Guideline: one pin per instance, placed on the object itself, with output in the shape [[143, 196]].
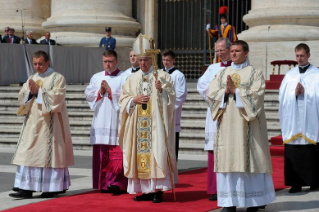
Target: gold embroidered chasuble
[[45, 138], [241, 141], [142, 133]]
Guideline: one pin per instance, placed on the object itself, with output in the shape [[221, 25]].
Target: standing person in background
[[47, 40], [224, 30], [108, 42], [6, 34], [103, 94], [29, 39], [11, 38], [168, 59], [223, 51], [134, 62], [299, 120], [44, 150]]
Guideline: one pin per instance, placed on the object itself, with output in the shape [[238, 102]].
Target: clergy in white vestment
[[223, 51], [103, 95], [168, 59], [299, 120], [147, 128], [44, 150], [134, 62], [241, 150]]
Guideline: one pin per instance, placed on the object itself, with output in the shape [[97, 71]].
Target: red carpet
[[190, 193]]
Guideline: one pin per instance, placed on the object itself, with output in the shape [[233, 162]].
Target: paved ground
[[81, 179]]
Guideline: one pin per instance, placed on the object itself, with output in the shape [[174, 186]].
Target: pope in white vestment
[[44, 150], [147, 128], [242, 157], [299, 121], [107, 155]]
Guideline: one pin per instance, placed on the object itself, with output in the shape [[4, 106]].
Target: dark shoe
[[252, 209], [158, 197], [314, 188], [295, 189], [59, 192], [114, 189], [262, 207], [47, 194], [213, 198], [105, 191], [22, 194], [144, 197], [15, 189], [229, 209]]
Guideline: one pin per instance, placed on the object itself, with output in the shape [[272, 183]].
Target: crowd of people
[[136, 125]]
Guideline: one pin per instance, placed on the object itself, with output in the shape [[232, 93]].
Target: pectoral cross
[[153, 52]]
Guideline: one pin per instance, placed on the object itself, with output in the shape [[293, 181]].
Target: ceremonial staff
[[154, 52]]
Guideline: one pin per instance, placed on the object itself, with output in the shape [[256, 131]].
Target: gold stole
[[144, 131]]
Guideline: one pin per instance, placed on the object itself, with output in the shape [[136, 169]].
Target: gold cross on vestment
[[153, 52]]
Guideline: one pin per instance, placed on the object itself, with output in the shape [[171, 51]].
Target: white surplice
[[244, 189], [202, 88], [104, 129], [299, 121], [181, 95], [42, 179]]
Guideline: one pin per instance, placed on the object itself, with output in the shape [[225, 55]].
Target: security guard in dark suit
[[108, 42]]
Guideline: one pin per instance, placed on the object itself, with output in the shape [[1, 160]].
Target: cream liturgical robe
[[142, 132], [241, 141], [45, 139]]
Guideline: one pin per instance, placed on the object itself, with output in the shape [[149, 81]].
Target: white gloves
[[207, 27]]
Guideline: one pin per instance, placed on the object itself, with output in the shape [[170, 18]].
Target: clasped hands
[[143, 99], [105, 88], [230, 86], [34, 87], [299, 89]]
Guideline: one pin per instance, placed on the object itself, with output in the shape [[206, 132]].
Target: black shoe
[[144, 197], [158, 197], [15, 189], [295, 189], [229, 209], [22, 194], [47, 194], [262, 207], [105, 191], [114, 189], [252, 209], [213, 198], [314, 188], [59, 192]]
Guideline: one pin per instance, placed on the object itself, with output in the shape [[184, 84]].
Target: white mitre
[[141, 45]]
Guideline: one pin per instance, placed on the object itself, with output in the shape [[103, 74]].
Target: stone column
[[34, 13], [82, 23], [289, 23]]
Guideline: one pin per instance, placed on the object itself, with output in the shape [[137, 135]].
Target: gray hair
[[227, 42], [28, 31]]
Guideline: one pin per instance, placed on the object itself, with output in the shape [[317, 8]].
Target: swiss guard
[[224, 30], [108, 42]]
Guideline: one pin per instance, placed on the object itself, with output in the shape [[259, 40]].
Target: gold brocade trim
[[302, 136], [236, 79], [144, 141]]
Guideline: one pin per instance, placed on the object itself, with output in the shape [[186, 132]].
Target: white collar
[[239, 66], [167, 70], [46, 73], [305, 65]]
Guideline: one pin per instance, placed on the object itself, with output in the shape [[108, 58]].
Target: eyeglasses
[[6, 30], [221, 51]]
